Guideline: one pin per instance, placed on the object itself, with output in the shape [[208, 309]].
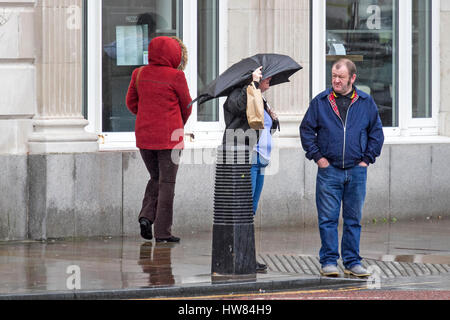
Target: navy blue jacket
[[344, 145]]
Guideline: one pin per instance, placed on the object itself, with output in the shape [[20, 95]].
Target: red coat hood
[[165, 51]]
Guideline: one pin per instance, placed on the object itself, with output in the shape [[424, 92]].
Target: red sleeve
[[184, 97], [132, 99]]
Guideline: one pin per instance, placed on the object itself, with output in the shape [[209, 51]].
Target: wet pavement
[[130, 267]]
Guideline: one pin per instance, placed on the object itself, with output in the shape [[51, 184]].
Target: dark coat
[[161, 99], [343, 144], [236, 122]]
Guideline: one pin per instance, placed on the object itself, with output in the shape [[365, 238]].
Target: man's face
[[265, 84], [341, 80]]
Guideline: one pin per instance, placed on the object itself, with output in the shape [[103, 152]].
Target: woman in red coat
[[159, 96]]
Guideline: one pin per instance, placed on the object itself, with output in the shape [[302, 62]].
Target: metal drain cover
[[310, 265]]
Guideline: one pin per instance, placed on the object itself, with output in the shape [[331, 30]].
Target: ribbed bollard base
[[233, 232]]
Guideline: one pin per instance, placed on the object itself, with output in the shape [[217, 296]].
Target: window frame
[[407, 125], [205, 130], [425, 126], [127, 140]]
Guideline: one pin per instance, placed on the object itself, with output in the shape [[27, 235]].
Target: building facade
[[68, 160]]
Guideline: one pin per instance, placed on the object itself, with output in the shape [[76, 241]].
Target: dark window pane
[[421, 30], [208, 55], [127, 29], [365, 32]]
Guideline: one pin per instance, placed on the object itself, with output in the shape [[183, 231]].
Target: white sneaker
[[329, 270]]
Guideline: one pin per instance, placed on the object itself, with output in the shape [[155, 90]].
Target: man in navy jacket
[[342, 132]]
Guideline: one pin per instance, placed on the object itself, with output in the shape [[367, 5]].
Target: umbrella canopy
[[279, 67]]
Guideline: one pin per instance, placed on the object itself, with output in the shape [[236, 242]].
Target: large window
[[127, 29], [395, 45], [208, 55], [116, 40], [365, 31], [422, 67]]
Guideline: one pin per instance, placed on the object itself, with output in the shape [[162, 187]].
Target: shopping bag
[[255, 108]]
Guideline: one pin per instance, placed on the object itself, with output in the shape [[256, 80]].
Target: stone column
[[276, 26], [59, 126], [444, 114]]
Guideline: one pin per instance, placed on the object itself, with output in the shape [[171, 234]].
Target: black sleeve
[[237, 102]]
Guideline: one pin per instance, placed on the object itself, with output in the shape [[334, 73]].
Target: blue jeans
[[257, 170], [336, 187]]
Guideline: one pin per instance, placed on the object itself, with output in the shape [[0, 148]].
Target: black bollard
[[233, 249]]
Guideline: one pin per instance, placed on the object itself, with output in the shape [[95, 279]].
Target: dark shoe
[[261, 268], [171, 239], [146, 229]]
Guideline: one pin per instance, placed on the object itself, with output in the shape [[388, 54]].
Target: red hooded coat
[[161, 99]]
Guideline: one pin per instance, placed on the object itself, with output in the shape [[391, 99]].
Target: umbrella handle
[[194, 101], [190, 104]]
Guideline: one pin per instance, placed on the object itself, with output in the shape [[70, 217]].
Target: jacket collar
[[326, 93]]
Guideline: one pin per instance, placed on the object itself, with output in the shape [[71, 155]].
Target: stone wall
[[100, 194], [17, 80], [13, 197], [41, 78]]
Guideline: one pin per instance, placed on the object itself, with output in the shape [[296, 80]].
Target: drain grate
[[310, 265]]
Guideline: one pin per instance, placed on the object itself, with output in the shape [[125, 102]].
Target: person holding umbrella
[[235, 118], [236, 122], [262, 150], [235, 109], [236, 186]]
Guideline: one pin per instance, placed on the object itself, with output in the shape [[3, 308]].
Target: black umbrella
[[279, 67]]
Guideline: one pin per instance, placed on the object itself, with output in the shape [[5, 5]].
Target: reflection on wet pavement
[[157, 263], [130, 263]]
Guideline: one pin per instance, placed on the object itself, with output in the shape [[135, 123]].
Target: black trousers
[[157, 205]]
